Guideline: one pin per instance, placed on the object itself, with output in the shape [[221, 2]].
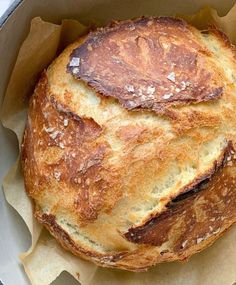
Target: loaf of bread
[[129, 149]]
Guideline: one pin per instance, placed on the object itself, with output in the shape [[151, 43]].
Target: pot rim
[[9, 11]]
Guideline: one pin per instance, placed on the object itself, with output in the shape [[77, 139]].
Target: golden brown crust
[[102, 177], [194, 221], [184, 208], [49, 221], [149, 63], [80, 149], [187, 190]]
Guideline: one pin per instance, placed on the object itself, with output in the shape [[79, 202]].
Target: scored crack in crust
[[131, 189], [180, 210]]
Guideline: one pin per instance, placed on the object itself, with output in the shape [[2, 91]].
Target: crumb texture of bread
[[129, 149]]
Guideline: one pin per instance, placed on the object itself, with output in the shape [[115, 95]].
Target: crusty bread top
[[102, 172], [163, 59]]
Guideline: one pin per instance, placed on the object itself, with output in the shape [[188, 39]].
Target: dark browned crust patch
[[196, 215], [148, 63]]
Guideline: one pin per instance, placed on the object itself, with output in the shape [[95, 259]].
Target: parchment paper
[[46, 259]]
